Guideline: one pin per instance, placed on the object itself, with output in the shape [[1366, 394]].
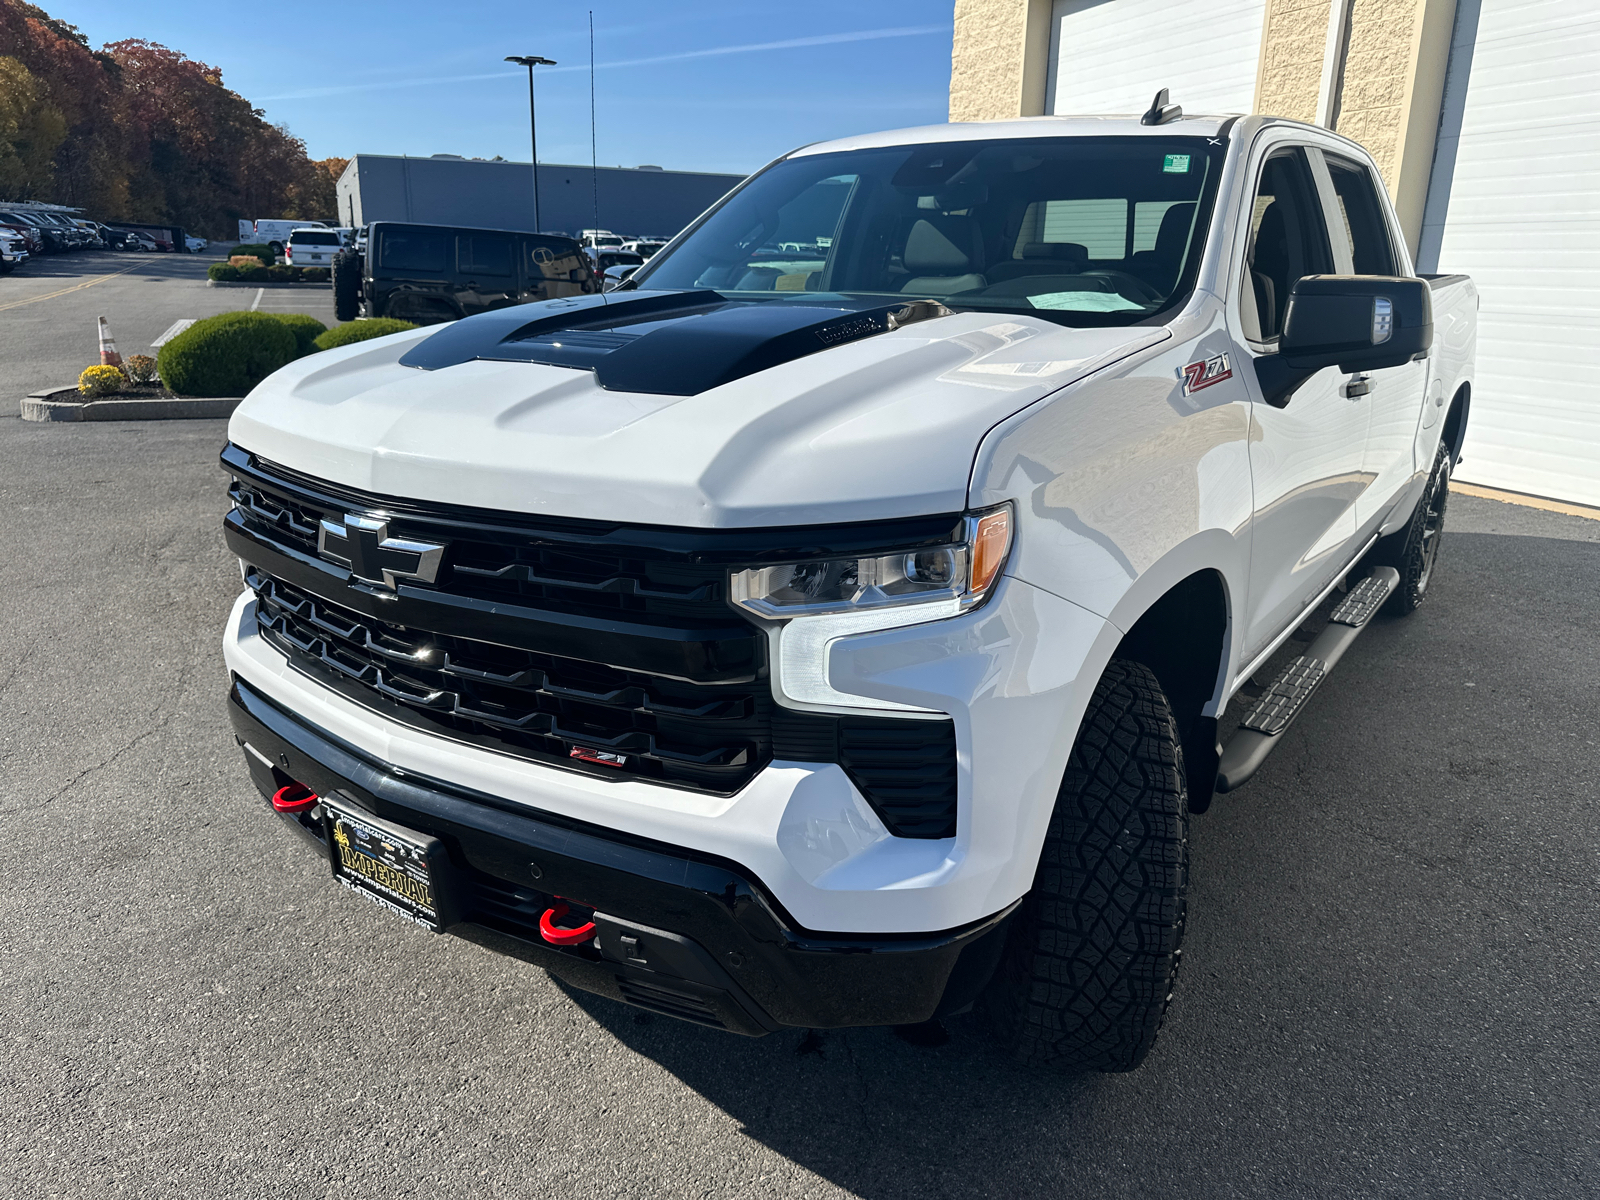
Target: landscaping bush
[[245, 260], [282, 274], [314, 274], [306, 331], [225, 272], [360, 331], [253, 274], [141, 368], [101, 381], [260, 250], [226, 355]]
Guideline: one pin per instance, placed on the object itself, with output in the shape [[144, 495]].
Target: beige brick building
[[1483, 116]]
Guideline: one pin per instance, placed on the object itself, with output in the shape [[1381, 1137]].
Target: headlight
[[810, 605], [963, 572]]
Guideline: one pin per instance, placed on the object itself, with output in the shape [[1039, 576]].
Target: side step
[[1262, 728]]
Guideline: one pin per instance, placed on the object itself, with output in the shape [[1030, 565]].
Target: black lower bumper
[[678, 933]]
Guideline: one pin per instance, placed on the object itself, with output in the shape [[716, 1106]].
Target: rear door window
[[1361, 215], [305, 238], [481, 254], [407, 251]]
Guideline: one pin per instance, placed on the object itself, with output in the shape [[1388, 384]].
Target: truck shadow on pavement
[[1366, 991], [872, 1113]]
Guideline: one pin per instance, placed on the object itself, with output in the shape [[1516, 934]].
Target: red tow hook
[[562, 937], [294, 798]]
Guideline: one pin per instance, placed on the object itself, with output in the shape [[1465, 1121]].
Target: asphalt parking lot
[[1389, 980], [48, 310]]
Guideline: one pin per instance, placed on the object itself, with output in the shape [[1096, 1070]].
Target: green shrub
[[306, 331], [263, 252], [226, 355], [282, 274], [101, 381], [253, 274], [314, 274], [360, 331], [222, 272]]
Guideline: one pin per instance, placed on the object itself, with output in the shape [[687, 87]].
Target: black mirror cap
[[1333, 320]]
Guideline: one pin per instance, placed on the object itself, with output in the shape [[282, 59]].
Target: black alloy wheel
[[1414, 550]]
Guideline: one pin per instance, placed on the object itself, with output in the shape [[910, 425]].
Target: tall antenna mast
[[594, 154]]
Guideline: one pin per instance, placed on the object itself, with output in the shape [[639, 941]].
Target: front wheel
[[1091, 956], [1414, 550]]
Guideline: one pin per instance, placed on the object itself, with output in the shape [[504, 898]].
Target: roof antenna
[[1160, 111], [594, 154]]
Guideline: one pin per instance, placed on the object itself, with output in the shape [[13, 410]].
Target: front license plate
[[385, 862]]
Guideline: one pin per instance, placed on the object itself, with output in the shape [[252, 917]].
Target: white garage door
[[1110, 56], [1521, 214]]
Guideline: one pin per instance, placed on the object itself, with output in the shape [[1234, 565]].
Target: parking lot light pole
[[531, 61]]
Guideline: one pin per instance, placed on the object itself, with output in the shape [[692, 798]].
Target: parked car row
[[26, 232]]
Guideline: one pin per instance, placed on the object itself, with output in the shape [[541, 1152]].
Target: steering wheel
[[1128, 285]]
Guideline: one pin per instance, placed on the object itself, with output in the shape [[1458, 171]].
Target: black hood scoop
[[665, 343]]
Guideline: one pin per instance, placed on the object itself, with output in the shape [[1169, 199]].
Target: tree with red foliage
[[149, 133]]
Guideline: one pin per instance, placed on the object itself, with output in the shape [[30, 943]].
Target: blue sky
[[702, 86]]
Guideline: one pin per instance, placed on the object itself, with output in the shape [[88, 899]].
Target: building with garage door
[[1484, 116]]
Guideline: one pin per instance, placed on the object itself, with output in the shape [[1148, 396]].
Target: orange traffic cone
[[108, 347]]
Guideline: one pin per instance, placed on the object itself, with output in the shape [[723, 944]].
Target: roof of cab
[[1025, 127]]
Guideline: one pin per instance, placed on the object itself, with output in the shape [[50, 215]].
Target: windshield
[[1083, 231]]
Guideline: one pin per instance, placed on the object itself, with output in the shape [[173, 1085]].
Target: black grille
[[543, 572], [907, 769], [579, 714], [657, 676], [668, 1001]]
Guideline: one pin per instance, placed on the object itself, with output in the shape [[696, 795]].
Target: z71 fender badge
[[1204, 373]]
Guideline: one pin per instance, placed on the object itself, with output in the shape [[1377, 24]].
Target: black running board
[[1262, 729]]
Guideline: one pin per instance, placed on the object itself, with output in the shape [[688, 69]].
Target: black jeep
[[428, 274]]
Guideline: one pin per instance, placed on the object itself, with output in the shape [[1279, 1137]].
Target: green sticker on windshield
[[1175, 164]]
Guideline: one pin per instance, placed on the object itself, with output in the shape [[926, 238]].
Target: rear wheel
[[1414, 550], [1092, 954], [345, 277]]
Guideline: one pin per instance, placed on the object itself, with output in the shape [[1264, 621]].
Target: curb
[[230, 283], [53, 405]]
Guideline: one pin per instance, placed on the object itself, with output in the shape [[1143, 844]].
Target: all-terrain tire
[[345, 277], [1414, 550], [1091, 955]]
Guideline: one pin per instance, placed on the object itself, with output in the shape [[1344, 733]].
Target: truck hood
[[686, 412]]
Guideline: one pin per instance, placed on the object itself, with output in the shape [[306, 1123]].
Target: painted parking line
[[77, 287], [256, 303], [173, 331]]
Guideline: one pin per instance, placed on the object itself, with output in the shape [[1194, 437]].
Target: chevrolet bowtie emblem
[[363, 544]]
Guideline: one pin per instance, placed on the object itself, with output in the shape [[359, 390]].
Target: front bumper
[[705, 940]]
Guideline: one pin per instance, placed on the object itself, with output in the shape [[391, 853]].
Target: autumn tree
[[31, 131], [140, 131]]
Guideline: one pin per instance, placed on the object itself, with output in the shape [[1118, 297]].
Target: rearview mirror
[[1354, 322]]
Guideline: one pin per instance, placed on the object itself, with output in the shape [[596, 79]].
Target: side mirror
[[615, 277], [1354, 322]]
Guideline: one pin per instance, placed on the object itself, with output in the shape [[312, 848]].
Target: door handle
[[1355, 387]]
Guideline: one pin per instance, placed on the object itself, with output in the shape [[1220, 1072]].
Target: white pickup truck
[[840, 623]]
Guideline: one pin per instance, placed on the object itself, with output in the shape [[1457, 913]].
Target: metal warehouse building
[[1484, 116], [449, 190]]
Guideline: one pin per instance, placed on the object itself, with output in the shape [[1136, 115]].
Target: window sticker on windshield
[[1175, 164], [1085, 302]]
